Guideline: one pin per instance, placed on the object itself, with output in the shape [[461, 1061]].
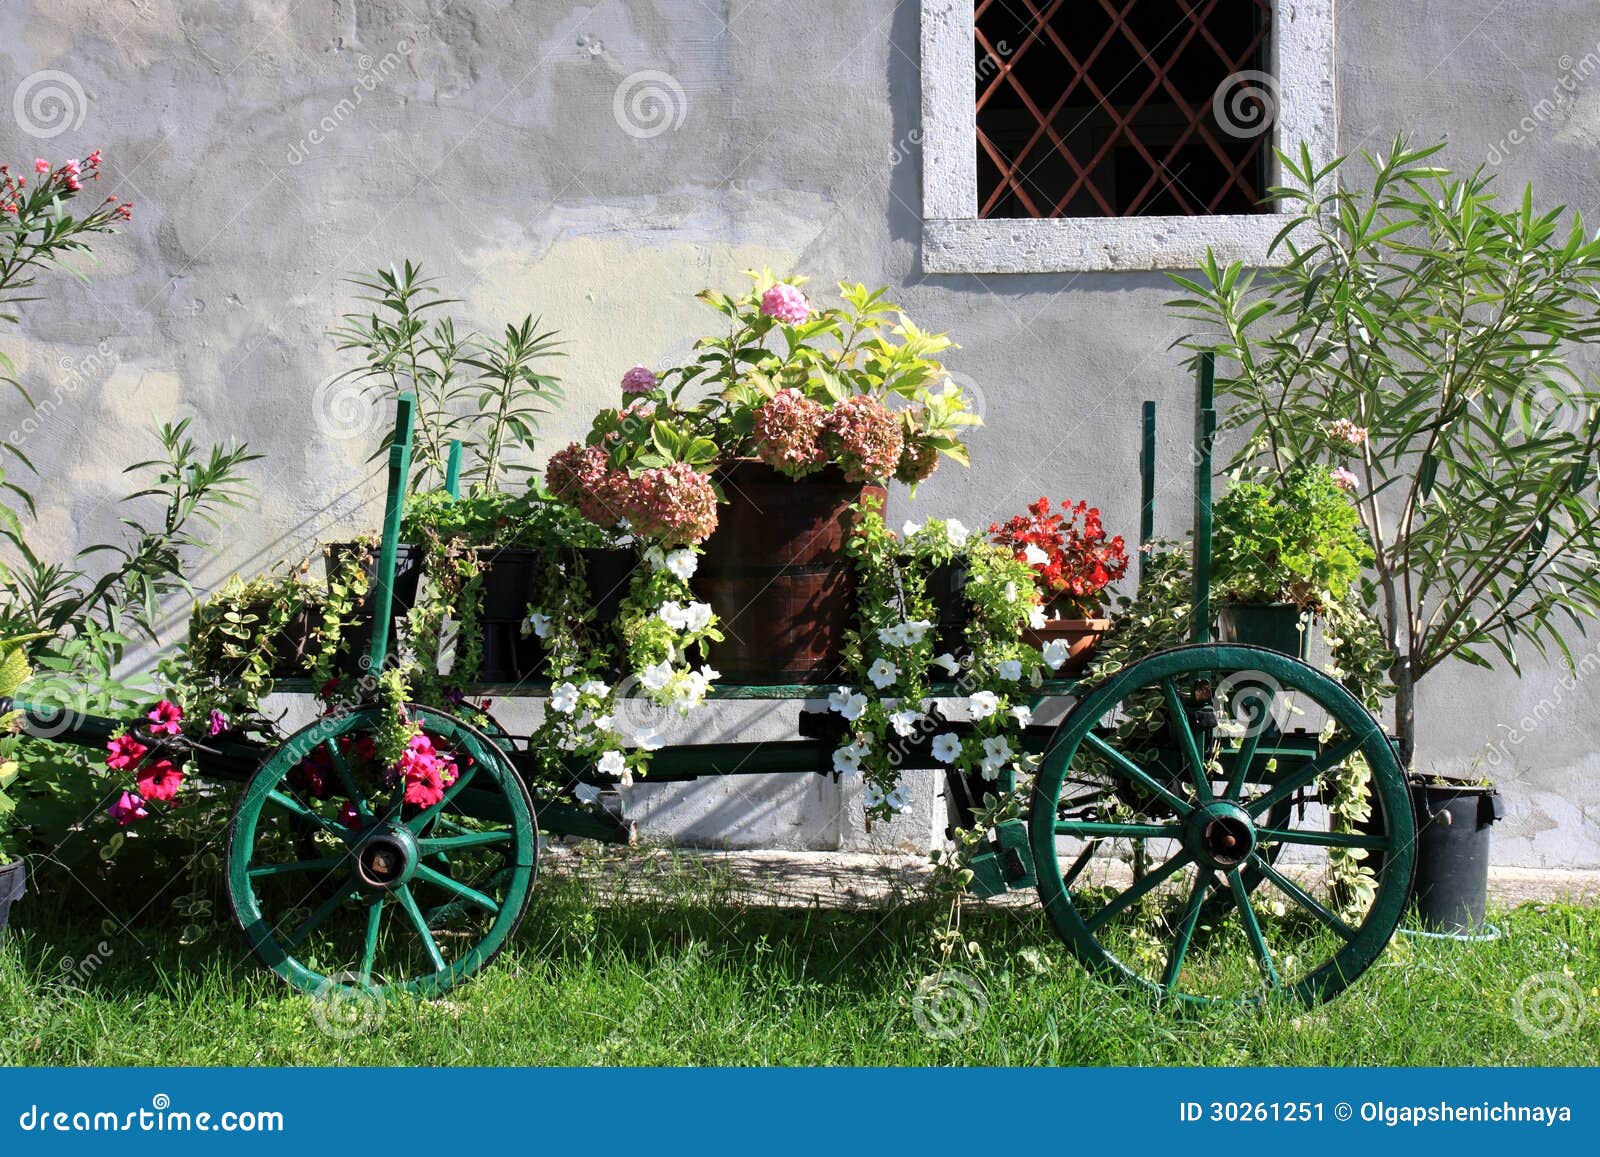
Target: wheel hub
[[386, 858], [1220, 835]]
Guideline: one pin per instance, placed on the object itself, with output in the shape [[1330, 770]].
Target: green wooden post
[[1205, 430], [452, 470], [383, 577], [1147, 484]]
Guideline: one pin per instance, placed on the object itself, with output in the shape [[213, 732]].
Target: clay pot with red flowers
[[1073, 561]]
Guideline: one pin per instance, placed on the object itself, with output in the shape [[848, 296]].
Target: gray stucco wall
[[274, 147]]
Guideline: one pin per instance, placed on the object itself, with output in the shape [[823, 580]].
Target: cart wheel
[[1182, 835], [395, 896]]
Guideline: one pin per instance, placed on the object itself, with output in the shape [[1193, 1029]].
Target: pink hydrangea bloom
[[127, 809], [674, 504], [582, 476], [785, 303], [865, 438], [639, 380], [1344, 479], [788, 433], [160, 779], [166, 718], [124, 751]]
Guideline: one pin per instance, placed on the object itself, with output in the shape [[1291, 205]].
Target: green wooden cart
[[1214, 822]]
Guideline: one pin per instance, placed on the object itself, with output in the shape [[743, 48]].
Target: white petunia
[[913, 631], [1036, 618], [697, 616], [882, 673], [1023, 714], [846, 760], [563, 698], [946, 747], [949, 663], [1033, 556], [905, 722], [648, 739], [899, 797], [539, 625], [911, 529], [955, 531], [675, 615], [872, 795], [594, 687], [1010, 669], [1055, 653], [983, 704], [604, 723], [848, 703], [894, 636], [655, 558], [1011, 592], [612, 763], [657, 677], [996, 754], [682, 562]]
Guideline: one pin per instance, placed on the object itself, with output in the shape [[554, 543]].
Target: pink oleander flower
[[124, 752], [93, 159], [582, 476], [72, 168], [785, 303], [788, 433], [865, 438], [127, 809], [41, 166], [166, 718], [674, 504], [918, 461], [160, 779], [217, 724], [1346, 431], [1344, 479], [639, 380]]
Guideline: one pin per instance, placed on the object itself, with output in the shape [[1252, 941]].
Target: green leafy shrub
[[1299, 542]]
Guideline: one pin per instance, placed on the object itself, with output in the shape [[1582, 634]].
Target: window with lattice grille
[[1108, 134]]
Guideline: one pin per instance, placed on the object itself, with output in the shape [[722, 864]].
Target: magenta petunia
[[127, 809], [124, 752], [160, 779], [166, 718]]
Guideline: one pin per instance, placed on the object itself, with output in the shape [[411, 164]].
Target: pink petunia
[[166, 719], [785, 303], [127, 809], [124, 752], [160, 779], [218, 723]]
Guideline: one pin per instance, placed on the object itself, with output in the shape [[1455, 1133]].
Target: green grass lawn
[[693, 978]]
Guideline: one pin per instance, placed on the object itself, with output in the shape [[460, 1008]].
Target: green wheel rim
[[384, 896], [1204, 841]]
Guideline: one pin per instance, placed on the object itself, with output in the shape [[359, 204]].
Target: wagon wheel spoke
[[342, 769], [1305, 899], [1140, 888], [1286, 787], [455, 887], [1138, 774], [323, 864], [1092, 828], [369, 947], [1071, 875], [423, 818], [1242, 761], [1185, 931], [1318, 839], [296, 808], [1252, 928], [459, 843], [1179, 719], [409, 903]]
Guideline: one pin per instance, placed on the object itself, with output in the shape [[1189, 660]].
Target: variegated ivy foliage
[[888, 707], [664, 636]]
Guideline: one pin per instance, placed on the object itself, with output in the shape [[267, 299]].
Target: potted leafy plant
[[1073, 562], [258, 629], [14, 671], [1418, 341], [810, 411], [1283, 554]]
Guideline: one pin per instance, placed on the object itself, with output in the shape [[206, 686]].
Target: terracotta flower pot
[[1082, 636]]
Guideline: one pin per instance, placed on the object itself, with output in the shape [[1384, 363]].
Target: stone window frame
[[956, 240]]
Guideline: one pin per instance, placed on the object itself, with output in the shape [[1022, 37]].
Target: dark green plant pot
[[13, 883], [1275, 626]]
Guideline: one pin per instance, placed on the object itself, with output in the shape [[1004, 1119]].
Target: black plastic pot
[[952, 611], [510, 575], [13, 883], [1275, 626], [357, 641], [608, 574], [1453, 832]]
